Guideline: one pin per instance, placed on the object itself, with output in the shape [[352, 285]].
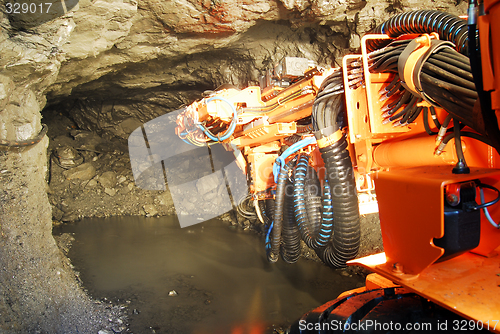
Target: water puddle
[[207, 278]]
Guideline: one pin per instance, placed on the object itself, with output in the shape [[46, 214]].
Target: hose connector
[[440, 135], [472, 13], [440, 148]]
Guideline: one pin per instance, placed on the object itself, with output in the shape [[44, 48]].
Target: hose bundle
[[449, 28], [315, 227], [346, 229], [328, 110], [330, 97], [445, 80], [290, 251], [330, 224], [274, 234]]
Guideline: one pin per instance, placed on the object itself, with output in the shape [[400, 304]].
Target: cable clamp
[[330, 139], [412, 59]]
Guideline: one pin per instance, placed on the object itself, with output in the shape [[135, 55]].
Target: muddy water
[[220, 275]]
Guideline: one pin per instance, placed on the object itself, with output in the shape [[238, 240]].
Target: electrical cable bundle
[[445, 79], [210, 131]]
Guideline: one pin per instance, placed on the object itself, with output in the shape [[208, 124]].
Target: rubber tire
[[379, 311]]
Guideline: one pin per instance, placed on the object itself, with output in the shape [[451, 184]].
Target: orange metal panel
[[468, 285], [351, 292], [261, 169], [265, 133], [411, 209], [395, 153], [376, 281], [489, 34]]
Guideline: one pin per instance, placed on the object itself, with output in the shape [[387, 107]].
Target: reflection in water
[[223, 281]]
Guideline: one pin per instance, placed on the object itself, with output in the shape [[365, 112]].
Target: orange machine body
[[410, 182]]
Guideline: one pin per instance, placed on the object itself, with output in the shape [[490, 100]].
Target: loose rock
[[108, 179], [110, 191], [85, 171], [150, 210]]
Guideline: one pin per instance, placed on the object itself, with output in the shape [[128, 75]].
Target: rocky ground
[[103, 185]]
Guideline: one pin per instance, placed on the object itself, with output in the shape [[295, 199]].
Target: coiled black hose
[[330, 96], [275, 238], [449, 27], [344, 245], [313, 198], [306, 215], [290, 250]]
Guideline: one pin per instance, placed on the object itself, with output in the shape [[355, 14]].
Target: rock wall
[[140, 60], [113, 64]]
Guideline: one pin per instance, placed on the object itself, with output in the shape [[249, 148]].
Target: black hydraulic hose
[[326, 227], [411, 115], [290, 251], [464, 74], [461, 166], [338, 104], [331, 87], [391, 88], [437, 89], [434, 117], [458, 141], [265, 213], [313, 199], [300, 199], [449, 27], [426, 112], [405, 110], [450, 53], [314, 211], [344, 245], [275, 240], [389, 65], [445, 78], [404, 99], [468, 134], [448, 58], [269, 212], [387, 57]]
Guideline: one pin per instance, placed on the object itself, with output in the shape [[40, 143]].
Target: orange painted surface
[[468, 285], [411, 209], [489, 34]]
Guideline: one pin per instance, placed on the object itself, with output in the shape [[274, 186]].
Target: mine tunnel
[[116, 218]]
